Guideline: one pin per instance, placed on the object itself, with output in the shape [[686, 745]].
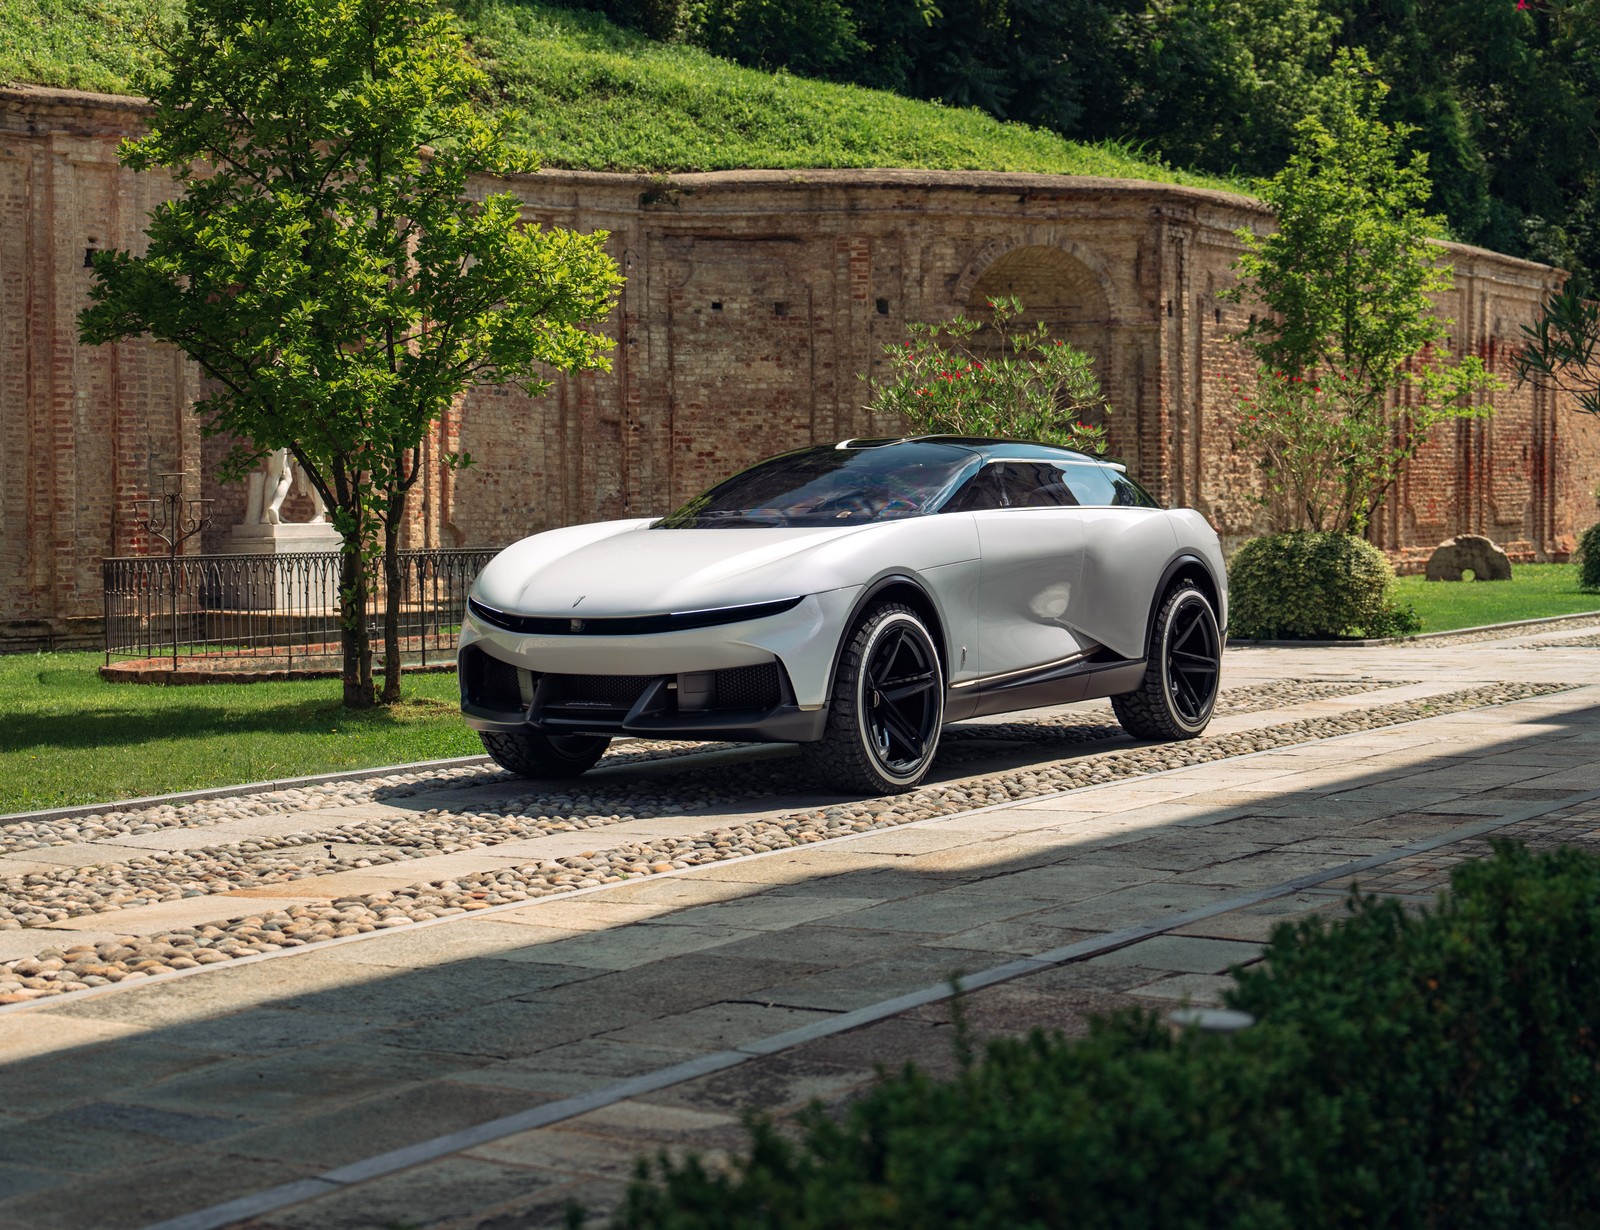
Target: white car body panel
[[626, 568], [798, 638], [1031, 562], [1125, 552]]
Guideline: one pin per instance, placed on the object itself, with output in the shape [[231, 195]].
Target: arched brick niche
[[1056, 289]]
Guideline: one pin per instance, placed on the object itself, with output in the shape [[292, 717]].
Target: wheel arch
[[1183, 568], [895, 588]]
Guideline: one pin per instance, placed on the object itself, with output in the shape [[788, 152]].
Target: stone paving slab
[[86, 854]]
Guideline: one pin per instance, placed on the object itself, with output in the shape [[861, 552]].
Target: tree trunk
[[393, 591], [354, 639]]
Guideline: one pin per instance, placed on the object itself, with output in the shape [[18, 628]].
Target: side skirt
[[1058, 686]]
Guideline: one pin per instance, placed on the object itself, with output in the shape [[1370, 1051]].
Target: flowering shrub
[[994, 378]]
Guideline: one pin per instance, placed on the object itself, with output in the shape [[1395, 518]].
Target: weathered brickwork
[[753, 303]]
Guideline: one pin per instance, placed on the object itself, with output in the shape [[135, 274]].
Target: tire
[[528, 753], [887, 706], [1183, 669]]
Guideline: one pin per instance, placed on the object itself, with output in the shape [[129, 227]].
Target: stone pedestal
[[289, 583]]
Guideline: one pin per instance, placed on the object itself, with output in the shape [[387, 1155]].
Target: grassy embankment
[[592, 96]]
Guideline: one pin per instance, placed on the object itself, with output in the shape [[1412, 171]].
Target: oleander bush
[[1406, 1070], [1587, 557], [1306, 584]]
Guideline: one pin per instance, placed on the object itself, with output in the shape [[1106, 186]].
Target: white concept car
[[851, 598]]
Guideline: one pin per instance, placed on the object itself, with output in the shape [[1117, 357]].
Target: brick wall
[[754, 301]]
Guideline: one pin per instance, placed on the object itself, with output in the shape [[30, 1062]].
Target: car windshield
[[830, 485]]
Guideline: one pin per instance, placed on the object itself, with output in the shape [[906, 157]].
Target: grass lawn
[[69, 737], [1534, 591]]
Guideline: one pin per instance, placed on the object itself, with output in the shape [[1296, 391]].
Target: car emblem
[[579, 625]]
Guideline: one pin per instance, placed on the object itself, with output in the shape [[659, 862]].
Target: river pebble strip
[[58, 970], [20, 835], [1576, 642], [42, 897]]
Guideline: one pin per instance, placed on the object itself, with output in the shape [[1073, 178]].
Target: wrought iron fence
[[274, 612]]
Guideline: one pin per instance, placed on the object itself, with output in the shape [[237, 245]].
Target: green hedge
[[1587, 557], [1432, 1070], [1306, 584]]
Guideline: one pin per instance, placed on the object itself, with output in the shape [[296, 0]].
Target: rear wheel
[[887, 706], [1181, 676], [531, 754]]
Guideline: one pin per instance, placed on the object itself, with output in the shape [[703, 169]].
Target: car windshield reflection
[[831, 486]]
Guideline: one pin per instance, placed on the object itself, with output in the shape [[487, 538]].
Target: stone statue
[[267, 496]]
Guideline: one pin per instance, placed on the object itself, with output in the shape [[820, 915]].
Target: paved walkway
[[485, 1068]]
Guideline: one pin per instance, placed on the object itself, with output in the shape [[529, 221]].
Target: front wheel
[[886, 709], [531, 754], [1182, 674]]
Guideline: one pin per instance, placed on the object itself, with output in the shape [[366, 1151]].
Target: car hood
[[626, 568]]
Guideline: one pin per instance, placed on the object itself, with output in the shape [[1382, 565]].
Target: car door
[[1030, 543], [1126, 545]]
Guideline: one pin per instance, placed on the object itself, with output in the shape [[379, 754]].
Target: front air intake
[[489, 683]]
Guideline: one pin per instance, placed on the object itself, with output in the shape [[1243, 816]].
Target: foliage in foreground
[[1306, 584], [1349, 281], [998, 377], [1408, 1071]]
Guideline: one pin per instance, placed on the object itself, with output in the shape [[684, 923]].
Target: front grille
[[747, 687], [609, 692]]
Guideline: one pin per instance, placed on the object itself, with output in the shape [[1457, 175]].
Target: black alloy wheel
[[900, 713], [1193, 661], [1179, 689], [887, 706]]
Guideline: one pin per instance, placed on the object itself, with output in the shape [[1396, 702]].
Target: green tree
[[997, 378], [1561, 348], [816, 38], [326, 266], [1220, 84], [1348, 279]]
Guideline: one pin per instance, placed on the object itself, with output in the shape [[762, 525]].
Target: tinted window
[[1013, 484], [830, 486], [1101, 486]]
